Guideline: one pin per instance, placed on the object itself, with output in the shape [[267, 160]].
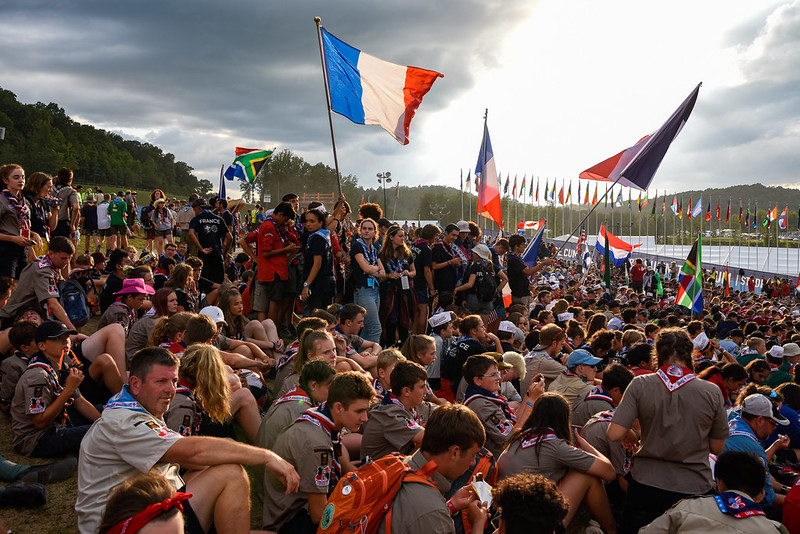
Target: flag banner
[[636, 166], [655, 203], [741, 210], [537, 188], [505, 188], [728, 213], [674, 205], [222, 190], [368, 90], [553, 191], [629, 198], [663, 206], [569, 193], [514, 189], [620, 201], [522, 187], [680, 209], [531, 254], [708, 212], [782, 218], [489, 189], [581, 240], [586, 196], [690, 292], [246, 165], [594, 198], [606, 261], [469, 172], [530, 225], [719, 218], [605, 197], [726, 278], [546, 191], [561, 195], [640, 202], [619, 250], [698, 208], [579, 197]]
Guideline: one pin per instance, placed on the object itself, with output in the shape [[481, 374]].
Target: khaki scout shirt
[[310, 450], [389, 428], [552, 459], [37, 283], [537, 362], [497, 426], [33, 394], [418, 507], [10, 370], [572, 387], [122, 443]]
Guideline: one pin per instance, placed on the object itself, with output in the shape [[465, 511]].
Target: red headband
[[135, 523]]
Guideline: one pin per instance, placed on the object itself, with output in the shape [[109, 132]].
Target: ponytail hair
[[202, 366], [415, 344], [167, 328], [307, 342]]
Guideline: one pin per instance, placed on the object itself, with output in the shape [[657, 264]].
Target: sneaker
[[49, 473], [19, 495], [593, 527]]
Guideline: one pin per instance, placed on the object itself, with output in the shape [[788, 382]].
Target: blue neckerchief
[[370, 252], [324, 234], [282, 235], [732, 503], [125, 400]]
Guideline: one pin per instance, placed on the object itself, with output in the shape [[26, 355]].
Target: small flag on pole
[[690, 291]]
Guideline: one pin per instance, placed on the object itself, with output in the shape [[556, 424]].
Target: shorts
[[118, 229], [191, 523], [14, 259], [474, 305], [91, 231], [422, 295], [149, 234], [163, 233], [266, 292], [62, 229], [104, 232]]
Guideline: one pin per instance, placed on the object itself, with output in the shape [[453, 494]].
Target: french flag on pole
[[619, 250], [368, 90]]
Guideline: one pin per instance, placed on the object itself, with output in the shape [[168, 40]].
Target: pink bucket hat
[[135, 285]]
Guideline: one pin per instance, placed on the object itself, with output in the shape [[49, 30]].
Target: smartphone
[[576, 431]]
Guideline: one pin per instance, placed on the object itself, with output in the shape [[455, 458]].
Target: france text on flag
[[368, 90]]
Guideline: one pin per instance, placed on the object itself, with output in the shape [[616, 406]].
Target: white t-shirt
[[103, 218]]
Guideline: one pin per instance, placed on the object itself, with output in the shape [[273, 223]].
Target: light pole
[[384, 178]]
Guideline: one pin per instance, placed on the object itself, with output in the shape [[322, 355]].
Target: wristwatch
[[305, 284]]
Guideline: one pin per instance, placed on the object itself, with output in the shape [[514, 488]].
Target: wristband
[[529, 403], [451, 508]]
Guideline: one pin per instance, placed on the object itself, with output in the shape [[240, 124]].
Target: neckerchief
[[184, 430], [324, 234], [321, 417], [370, 252], [124, 400], [532, 437], [175, 347], [567, 372], [604, 416], [598, 393], [282, 235], [291, 352], [40, 361], [131, 314], [474, 392], [675, 376], [138, 521], [732, 503], [739, 427], [42, 209], [22, 356], [21, 207], [389, 398], [44, 262], [379, 389], [297, 394], [395, 265]]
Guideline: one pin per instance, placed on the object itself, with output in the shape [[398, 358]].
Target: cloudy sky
[[567, 82]]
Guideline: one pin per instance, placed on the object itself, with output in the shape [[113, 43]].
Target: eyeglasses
[[493, 375]]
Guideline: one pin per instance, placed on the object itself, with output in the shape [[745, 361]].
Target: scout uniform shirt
[[36, 389], [311, 445], [595, 432], [542, 453], [10, 370], [731, 512], [538, 361], [389, 428], [37, 283], [184, 414], [595, 400], [418, 507], [118, 313], [571, 385], [127, 440], [493, 411], [283, 412]]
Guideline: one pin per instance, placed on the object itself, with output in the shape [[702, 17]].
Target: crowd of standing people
[[339, 346]]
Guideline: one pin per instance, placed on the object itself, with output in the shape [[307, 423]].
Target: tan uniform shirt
[[497, 426], [676, 428], [138, 336], [389, 428], [10, 370], [570, 386], [554, 458], [702, 515], [116, 313], [280, 376], [540, 362], [36, 285], [595, 432], [32, 396], [288, 384], [9, 220], [119, 445], [309, 449], [583, 409], [277, 419], [419, 507], [183, 415]]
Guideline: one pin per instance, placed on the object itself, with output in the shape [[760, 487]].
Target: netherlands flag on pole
[[368, 90], [619, 250]]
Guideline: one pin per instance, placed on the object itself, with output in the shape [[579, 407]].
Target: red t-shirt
[[637, 273], [271, 238]]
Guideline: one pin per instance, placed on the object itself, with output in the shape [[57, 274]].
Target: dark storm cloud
[[188, 70]]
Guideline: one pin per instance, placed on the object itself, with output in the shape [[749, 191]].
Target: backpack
[[144, 216], [361, 500], [485, 286], [73, 299], [485, 465]]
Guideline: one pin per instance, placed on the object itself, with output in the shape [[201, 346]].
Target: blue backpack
[[73, 299]]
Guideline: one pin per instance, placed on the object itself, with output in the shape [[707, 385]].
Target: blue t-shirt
[[743, 439]]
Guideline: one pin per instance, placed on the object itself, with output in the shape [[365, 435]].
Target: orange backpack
[[363, 497]]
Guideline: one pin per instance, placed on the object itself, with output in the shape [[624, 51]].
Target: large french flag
[[619, 250], [368, 90]]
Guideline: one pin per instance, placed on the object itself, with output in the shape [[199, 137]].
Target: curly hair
[[529, 503], [201, 366]]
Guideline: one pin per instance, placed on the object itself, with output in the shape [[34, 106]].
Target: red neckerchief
[[675, 376], [21, 207], [134, 524], [291, 352], [598, 393], [536, 436], [45, 262], [296, 394], [131, 314]]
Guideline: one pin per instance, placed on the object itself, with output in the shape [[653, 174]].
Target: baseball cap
[[757, 404], [581, 357], [52, 330], [215, 313], [506, 326]]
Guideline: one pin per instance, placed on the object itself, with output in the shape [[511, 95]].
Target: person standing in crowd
[[15, 223], [367, 271], [162, 223], [89, 224], [104, 221], [117, 212], [397, 295], [210, 235], [518, 272], [44, 209], [682, 421], [319, 285], [446, 262], [69, 211], [423, 281]]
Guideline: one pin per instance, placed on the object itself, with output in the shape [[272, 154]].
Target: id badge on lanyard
[[370, 281]]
